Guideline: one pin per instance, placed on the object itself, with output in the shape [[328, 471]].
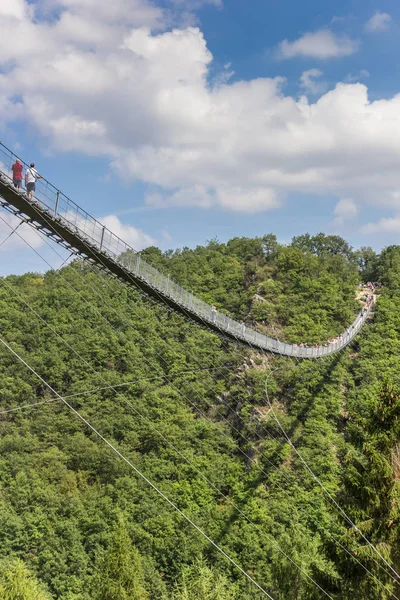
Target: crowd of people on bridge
[[31, 176]]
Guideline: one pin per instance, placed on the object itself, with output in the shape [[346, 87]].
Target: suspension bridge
[[61, 219]]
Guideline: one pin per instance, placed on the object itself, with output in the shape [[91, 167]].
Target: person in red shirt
[[17, 173]]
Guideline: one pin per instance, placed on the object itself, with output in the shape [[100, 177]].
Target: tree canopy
[[189, 410]]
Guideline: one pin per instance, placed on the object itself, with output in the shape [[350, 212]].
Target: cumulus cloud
[[380, 21], [131, 235], [345, 210], [196, 4], [384, 225], [239, 199], [320, 44], [362, 74], [142, 97], [310, 82]]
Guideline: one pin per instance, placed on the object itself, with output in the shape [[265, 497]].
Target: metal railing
[[59, 208]]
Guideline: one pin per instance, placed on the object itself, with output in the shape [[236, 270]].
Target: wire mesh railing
[[57, 207]]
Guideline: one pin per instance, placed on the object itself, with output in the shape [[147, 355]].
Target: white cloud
[[238, 199], [14, 8], [338, 20], [131, 235], [196, 4], [363, 74], [143, 98], [345, 211], [309, 82], [134, 237], [346, 208], [320, 44], [385, 225], [380, 21], [134, 13], [25, 231]]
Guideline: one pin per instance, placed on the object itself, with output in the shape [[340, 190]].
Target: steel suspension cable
[[147, 360], [103, 388]]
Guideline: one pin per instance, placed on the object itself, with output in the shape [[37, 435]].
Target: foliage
[[190, 413], [17, 583], [200, 582], [120, 573]]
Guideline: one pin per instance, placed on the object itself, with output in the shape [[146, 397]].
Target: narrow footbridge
[[61, 219]]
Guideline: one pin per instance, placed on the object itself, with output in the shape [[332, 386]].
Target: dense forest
[[193, 414]]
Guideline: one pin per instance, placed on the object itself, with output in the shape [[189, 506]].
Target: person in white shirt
[[31, 176]]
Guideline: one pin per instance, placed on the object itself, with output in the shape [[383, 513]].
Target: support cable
[[11, 233]]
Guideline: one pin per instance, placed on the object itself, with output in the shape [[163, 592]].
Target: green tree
[[18, 583], [367, 261], [120, 573], [199, 582]]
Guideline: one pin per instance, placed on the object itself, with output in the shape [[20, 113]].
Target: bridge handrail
[[60, 207]]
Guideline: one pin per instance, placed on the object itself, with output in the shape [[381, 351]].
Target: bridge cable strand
[[137, 471], [168, 308], [137, 286], [132, 281], [65, 262], [97, 269], [333, 504], [317, 479], [330, 535], [108, 276], [11, 233], [147, 360], [52, 400], [290, 358], [270, 539]]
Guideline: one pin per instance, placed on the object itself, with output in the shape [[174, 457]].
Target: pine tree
[[18, 583], [120, 573], [199, 582]]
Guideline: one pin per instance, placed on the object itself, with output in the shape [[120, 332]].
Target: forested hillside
[[190, 411]]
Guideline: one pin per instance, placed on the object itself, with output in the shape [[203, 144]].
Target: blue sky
[[180, 121]]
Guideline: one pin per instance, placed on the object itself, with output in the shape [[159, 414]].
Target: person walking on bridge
[[31, 176], [17, 173], [213, 314]]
